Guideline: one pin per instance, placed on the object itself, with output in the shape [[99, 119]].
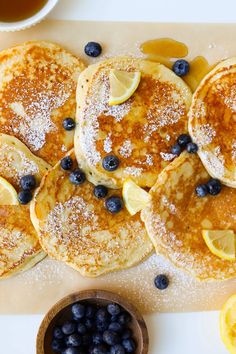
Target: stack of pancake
[[41, 84]]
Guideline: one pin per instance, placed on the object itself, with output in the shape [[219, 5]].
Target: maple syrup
[[167, 50], [17, 10]]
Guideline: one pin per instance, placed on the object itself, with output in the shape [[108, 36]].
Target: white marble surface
[[195, 333]]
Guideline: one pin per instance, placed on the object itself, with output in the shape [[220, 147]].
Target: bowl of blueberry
[[92, 322]]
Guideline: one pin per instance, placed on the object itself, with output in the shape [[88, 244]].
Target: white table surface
[[195, 333]]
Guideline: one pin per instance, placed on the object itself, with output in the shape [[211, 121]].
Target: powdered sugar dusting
[[126, 149], [149, 160], [107, 145], [167, 156], [133, 171], [169, 205], [204, 134]]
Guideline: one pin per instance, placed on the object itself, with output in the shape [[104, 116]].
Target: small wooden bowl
[[61, 312]]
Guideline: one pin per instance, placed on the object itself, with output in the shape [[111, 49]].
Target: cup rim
[[30, 21]]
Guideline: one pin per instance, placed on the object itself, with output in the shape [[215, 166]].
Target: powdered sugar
[[126, 149], [167, 156], [107, 145], [133, 171], [204, 134]]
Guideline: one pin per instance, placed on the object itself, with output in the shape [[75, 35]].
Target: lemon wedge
[[8, 195], [122, 85], [135, 198], [221, 243], [228, 324]]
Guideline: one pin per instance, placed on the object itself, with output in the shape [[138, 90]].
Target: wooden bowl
[[61, 312]]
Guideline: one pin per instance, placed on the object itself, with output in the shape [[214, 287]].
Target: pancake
[[17, 161], [74, 227], [19, 246], [37, 91], [212, 121], [176, 216], [140, 132]]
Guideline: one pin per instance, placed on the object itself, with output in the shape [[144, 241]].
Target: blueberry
[[77, 176], [68, 327], [124, 318], [73, 340], [102, 315], [86, 339], [192, 148], [100, 349], [113, 309], [114, 318], [117, 349], [68, 124], [129, 345], [90, 311], [181, 67], [100, 191], [161, 281], [126, 334], [114, 204], [183, 140], [78, 310], [201, 190], [110, 163], [102, 325], [57, 345], [72, 350], [25, 197], [81, 328], [93, 49], [97, 338], [176, 150], [115, 327], [66, 163], [28, 182], [111, 338], [57, 333], [89, 323], [214, 186]]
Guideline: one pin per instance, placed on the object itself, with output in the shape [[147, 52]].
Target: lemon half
[[8, 195], [122, 85], [228, 324], [221, 243], [135, 198]]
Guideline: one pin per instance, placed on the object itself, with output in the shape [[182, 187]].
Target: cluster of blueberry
[[184, 141], [212, 187], [94, 330], [28, 184]]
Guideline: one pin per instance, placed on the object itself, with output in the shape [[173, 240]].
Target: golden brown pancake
[[176, 217]]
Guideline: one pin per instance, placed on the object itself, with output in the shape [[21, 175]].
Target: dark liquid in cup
[[17, 10]]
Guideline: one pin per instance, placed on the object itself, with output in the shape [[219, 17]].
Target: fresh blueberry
[[102, 325], [183, 140], [110, 163], [161, 281], [28, 182], [192, 148], [114, 204], [113, 309], [73, 340], [93, 49], [129, 345], [81, 328], [72, 350], [111, 338], [57, 345], [114, 318], [68, 124], [78, 310], [102, 315], [68, 327], [77, 176], [89, 323], [201, 190], [97, 338], [115, 327], [181, 67], [126, 334], [66, 163], [86, 339], [25, 197], [176, 149], [117, 349], [57, 333], [100, 191], [124, 318], [214, 186], [90, 311], [100, 349]]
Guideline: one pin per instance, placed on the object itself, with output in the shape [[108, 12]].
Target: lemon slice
[[8, 195], [122, 85], [228, 324], [135, 198], [221, 243]]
